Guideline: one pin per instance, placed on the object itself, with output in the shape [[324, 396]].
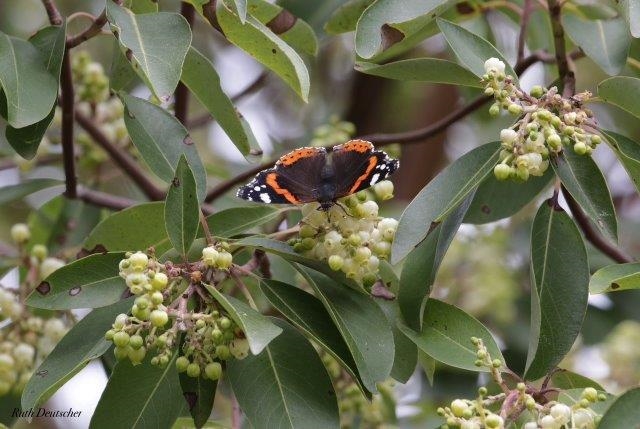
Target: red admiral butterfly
[[313, 174]]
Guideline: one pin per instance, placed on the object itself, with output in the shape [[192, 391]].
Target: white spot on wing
[[375, 178], [257, 188], [265, 198]]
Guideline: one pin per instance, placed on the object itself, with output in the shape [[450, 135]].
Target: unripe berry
[[554, 140], [136, 341], [210, 256], [109, 335], [142, 302], [182, 363], [20, 233], [136, 355], [159, 318], [494, 421], [193, 370], [383, 190], [225, 260], [307, 231], [223, 352], [580, 148], [121, 339], [121, 352], [142, 314], [482, 391], [157, 298], [584, 403], [216, 334], [225, 323], [159, 281], [39, 251], [458, 407], [595, 139], [515, 109], [239, 348], [335, 262], [306, 244], [502, 171], [536, 91], [139, 261], [496, 363], [213, 370]]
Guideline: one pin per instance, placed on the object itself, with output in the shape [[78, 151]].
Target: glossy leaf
[[27, 187], [84, 342], [441, 196], [628, 152], [161, 139], [141, 6], [615, 277], [362, 324], [446, 336], [472, 50], [89, 282], [146, 39], [421, 266], [285, 386], [498, 199], [423, 70], [50, 42], [405, 357], [582, 178], [145, 396], [307, 313], [29, 89], [345, 17], [236, 220], [266, 47], [387, 22], [564, 379], [122, 75], [135, 228], [560, 277], [181, 209], [631, 12], [621, 91], [259, 329], [199, 394], [624, 413], [605, 41], [203, 81]]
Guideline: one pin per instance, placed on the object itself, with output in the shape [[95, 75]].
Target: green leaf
[[122, 75], [423, 70], [240, 8], [628, 152], [89, 282], [472, 50], [560, 274], [441, 196], [145, 396], [345, 18], [428, 365], [147, 39], [203, 81], [421, 266], [405, 357], [631, 12], [498, 199], [285, 386], [30, 90], [621, 91], [84, 342], [50, 42], [236, 220], [259, 329], [446, 336], [615, 277], [9, 402], [141, 6], [362, 324], [161, 139], [27, 187], [266, 47], [187, 423], [584, 181], [307, 313], [565, 379], [135, 228], [292, 30], [387, 22], [606, 42], [181, 209], [624, 413], [199, 394]]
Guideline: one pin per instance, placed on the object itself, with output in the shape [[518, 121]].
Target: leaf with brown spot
[[615, 277]]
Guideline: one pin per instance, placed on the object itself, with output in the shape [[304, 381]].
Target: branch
[[566, 75], [52, 12], [121, 158], [415, 136], [592, 234], [527, 8], [92, 30], [68, 108], [181, 105], [102, 199]]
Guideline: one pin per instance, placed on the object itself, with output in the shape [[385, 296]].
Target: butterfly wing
[[294, 179], [360, 166]]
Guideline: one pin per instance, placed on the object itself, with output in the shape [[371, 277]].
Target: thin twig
[[121, 158], [205, 228], [566, 75], [181, 105], [68, 108], [592, 234], [52, 12], [102, 199], [527, 8], [92, 30]]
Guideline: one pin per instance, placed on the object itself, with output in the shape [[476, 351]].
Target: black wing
[[358, 166]]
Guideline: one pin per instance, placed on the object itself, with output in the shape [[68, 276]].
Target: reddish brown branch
[[121, 158], [181, 105], [68, 108], [564, 72], [52, 12], [91, 31], [527, 8], [102, 199]]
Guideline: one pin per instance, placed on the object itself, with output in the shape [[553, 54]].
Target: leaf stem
[[52, 12]]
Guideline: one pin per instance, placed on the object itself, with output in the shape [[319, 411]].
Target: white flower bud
[[49, 265], [368, 209], [383, 190], [139, 261], [582, 419], [210, 256], [54, 329], [24, 354], [561, 413], [494, 65], [508, 135], [20, 233]]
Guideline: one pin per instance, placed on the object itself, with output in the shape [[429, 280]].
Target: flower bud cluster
[[547, 123], [556, 415], [472, 413], [217, 256], [334, 132], [350, 236], [92, 84]]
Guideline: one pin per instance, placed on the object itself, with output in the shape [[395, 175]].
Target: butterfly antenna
[[344, 209]]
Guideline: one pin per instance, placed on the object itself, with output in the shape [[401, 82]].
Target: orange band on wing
[[361, 146], [273, 183], [372, 164]]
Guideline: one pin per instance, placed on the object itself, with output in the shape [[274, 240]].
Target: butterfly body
[[315, 174]]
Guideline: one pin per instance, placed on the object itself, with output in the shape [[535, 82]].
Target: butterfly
[[315, 174]]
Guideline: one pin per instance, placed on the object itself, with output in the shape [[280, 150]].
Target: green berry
[[121, 339], [335, 262], [307, 231], [20, 233], [213, 370], [160, 281], [482, 391], [157, 298], [225, 323], [494, 110], [590, 394], [537, 91], [502, 171], [136, 341], [225, 260], [596, 139], [494, 421], [223, 352], [515, 109], [163, 361], [136, 355], [216, 334], [182, 363], [121, 352], [109, 335], [458, 407], [193, 370], [580, 148], [39, 251], [554, 140], [496, 363], [142, 302], [159, 318]]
